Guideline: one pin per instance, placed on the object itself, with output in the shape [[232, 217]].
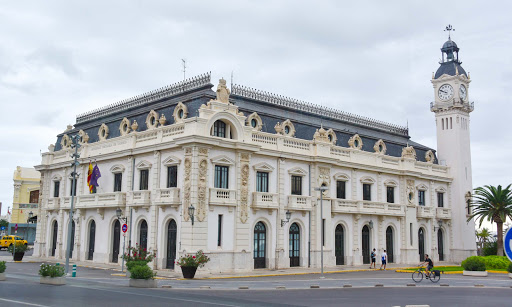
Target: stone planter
[[143, 283], [475, 273], [18, 256], [3, 276], [188, 271], [510, 275], [56, 281]]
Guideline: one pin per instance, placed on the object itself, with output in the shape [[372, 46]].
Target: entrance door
[[389, 244], [366, 244], [339, 245], [72, 239], [143, 237], [92, 237], [54, 239], [117, 241], [421, 244], [171, 244], [260, 244], [294, 245], [440, 244]]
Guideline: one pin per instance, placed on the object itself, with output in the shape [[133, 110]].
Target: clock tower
[[452, 108]]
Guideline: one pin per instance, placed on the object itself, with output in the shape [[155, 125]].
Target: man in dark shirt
[[429, 263]]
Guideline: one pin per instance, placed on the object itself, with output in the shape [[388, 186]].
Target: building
[[25, 200], [235, 173]]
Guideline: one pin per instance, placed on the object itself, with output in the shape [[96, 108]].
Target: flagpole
[[75, 139]]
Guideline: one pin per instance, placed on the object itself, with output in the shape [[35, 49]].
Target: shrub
[[138, 253], [20, 247], [490, 249], [48, 270], [131, 264], [2, 266], [509, 269], [496, 262], [142, 272], [197, 260], [473, 263]]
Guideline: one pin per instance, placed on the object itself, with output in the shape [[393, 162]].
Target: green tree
[[4, 223], [483, 237], [492, 204]]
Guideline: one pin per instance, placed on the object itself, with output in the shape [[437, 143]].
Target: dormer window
[[219, 129]]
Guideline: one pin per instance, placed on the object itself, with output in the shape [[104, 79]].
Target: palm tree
[[483, 236], [494, 205]]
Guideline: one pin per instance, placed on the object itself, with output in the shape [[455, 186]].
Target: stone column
[[242, 236], [283, 203], [153, 245], [356, 255]]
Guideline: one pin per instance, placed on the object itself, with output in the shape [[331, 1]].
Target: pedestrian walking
[[384, 259], [373, 256]]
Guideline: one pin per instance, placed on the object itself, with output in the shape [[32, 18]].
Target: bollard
[[74, 271]]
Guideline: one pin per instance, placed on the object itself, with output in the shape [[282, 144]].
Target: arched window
[[219, 129], [260, 245], [143, 235]]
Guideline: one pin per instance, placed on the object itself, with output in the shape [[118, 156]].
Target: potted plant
[[137, 256], [190, 263], [52, 275], [20, 250], [509, 269], [474, 266], [2, 271], [142, 276]]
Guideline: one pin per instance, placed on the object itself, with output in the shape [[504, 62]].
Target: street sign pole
[[125, 228], [14, 241]]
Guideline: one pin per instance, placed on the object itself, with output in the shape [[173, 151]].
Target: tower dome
[[450, 64]]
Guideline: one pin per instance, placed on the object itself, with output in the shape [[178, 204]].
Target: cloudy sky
[[370, 58]]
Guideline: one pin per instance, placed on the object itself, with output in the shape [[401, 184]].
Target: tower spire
[[449, 28]]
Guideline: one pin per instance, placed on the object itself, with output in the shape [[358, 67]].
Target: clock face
[[445, 92], [463, 92]]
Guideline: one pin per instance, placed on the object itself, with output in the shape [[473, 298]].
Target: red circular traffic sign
[[125, 227]]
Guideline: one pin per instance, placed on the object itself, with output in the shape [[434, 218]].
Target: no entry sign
[[125, 227]]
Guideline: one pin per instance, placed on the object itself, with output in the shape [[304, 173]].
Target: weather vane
[[449, 28]]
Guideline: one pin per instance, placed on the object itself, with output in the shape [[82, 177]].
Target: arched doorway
[[54, 237], [143, 235], [171, 244], [294, 239], [92, 237], [440, 244], [339, 245], [366, 244], [421, 244], [72, 239], [116, 241], [389, 245], [260, 245]]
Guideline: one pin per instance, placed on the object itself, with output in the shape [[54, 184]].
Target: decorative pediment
[[429, 157], [421, 187], [355, 142], [263, 167], [298, 171], [390, 183], [254, 121], [440, 190], [367, 179], [222, 160], [118, 168], [57, 178], [380, 147], [171, 160], [341, 177], [143, 165]]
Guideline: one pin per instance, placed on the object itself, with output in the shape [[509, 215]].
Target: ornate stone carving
[[321, 135], [244, 188], [324, 178], [203, 151], [331, 136], [162, 120], [410, 190], [124, 127], [278, 128], [380, 147], [285, 128], [355, 142], [187, 188], [68, 128], [51, 148], [84, 137], [152, 120], [429, 157], [409, 153], [222, 91], [254, 121], [180, 112], [65, 141], [201, 190], [103, 132], [135, 126]]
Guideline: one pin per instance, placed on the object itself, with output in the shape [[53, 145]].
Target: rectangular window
[[71, 191], [118, 180], [323, 232], [367, 191], [219, 234], [221, 177], [421, 198], [410, 232], [56, 188], [34, 197], [262, 182], [440, 200], [219, 129], [390, 194], [296, 185], [144, 179], [340, 189], [172, 176]]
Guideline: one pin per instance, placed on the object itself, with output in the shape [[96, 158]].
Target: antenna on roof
[[183, 62]]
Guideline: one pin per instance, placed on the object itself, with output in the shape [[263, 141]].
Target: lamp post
[[288, 216], [119, 214], [191, 210], [75, 139], [322, 189]]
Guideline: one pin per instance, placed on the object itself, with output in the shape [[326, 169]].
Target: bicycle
[[433, 275]]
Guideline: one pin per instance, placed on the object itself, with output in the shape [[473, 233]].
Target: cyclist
[[430, 265]]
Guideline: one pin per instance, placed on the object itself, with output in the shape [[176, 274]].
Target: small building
[[25, 201]]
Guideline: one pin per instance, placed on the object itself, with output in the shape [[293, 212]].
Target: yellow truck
[[8, 240]]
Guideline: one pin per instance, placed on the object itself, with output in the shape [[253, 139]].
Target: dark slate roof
[[449, 44], [450, 68]]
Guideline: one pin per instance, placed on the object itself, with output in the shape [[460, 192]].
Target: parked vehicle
[[6, 241]]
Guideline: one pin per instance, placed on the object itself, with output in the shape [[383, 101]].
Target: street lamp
[[119, 214], [288, 216], [440, 224], [191, 210], [75, 144], [322, 188]]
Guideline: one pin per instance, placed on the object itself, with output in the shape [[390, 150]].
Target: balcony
[[443, 213], [262, 200], [425, 212], [299, 203], [66, 202], [169, 196], [223, 197], [138, 198], [103, 200], [367, 207], [53, 203]]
